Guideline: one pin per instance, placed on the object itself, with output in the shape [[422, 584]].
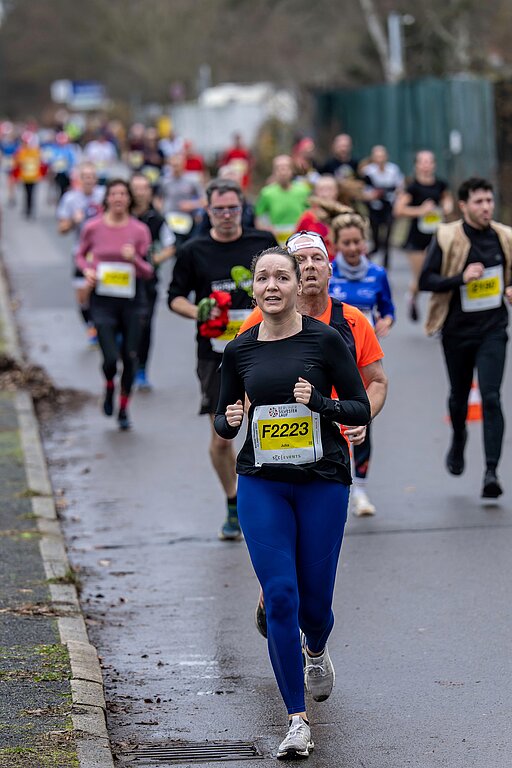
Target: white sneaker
[[298, 742], [319, 675], [361, 505]]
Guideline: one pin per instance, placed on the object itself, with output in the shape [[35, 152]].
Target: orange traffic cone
[[474, 403]]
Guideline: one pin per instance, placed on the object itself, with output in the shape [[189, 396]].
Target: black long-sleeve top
[[267, 372]]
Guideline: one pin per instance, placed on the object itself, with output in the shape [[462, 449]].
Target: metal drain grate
[[188, 752]]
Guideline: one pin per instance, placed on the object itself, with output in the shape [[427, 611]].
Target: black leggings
[[29, 198], [381, 223], [108, 341], [118, 323], [145, 336], [62, 182], [362, 455], [487, 355]]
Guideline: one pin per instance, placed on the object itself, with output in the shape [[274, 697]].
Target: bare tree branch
[[378, 35], [458, 42]]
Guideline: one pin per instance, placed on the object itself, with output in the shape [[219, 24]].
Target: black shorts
[[417, 241], [208, 372]]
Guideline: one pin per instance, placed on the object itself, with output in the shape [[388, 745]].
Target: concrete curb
[[88, 701]]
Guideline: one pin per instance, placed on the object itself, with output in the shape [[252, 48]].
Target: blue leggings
[[294, 534]]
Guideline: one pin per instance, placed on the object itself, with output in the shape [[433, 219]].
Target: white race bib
[[180, 223], [484, 293], [286, 434], [429, 223], [116, 279], [236, 318]]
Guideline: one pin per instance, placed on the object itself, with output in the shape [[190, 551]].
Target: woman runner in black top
[[425, 201], [294, 476]]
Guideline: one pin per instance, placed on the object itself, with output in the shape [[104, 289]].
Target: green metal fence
[[454, 118]]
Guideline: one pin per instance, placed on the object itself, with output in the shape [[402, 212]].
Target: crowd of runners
[[289, 290]]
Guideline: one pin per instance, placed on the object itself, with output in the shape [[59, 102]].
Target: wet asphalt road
[[423, 614]]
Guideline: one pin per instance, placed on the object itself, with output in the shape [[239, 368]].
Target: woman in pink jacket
[[112, 255]]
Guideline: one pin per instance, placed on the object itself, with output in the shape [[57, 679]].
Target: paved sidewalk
[[52, 711]]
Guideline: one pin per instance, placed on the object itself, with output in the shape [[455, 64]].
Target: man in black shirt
[[216, 266], [468, 269]]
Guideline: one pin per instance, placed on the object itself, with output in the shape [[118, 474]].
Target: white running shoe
[[319, 675], [361, 505], [298, 742]]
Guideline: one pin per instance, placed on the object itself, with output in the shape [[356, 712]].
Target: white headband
[[306, 240]]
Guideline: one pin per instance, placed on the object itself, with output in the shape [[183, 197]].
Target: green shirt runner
[[283, 207]]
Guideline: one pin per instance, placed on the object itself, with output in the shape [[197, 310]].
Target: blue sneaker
[[231, 530], [141, 381], [92, 336]]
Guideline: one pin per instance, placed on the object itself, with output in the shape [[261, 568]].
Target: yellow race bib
[[116, 279], [429, 223], [236, 318], [283, 233], [281, 434], [135, 159], [180, 223], [484, 293], [288, 433]]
